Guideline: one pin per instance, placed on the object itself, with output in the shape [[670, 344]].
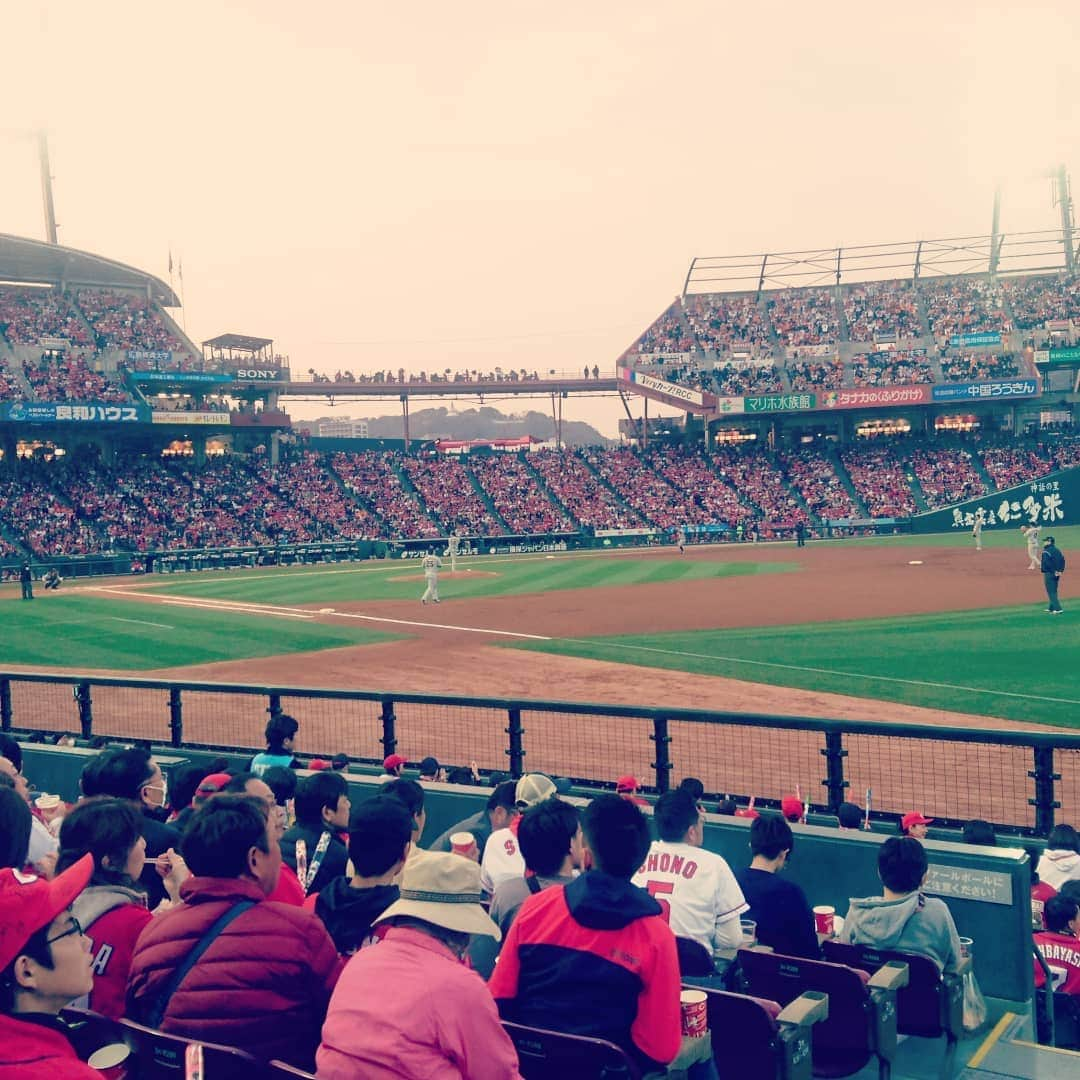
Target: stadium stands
[[964, 306], [125, 321], [813, 475], [878, 476], [373, 479], [573, 483], [28, 315], [813, 375], [513, 488], [902, 368], [66, 377], [879, 309], [805, 317], [450, 496], [722, 322], [1037, 300], [945, 476], [979, 366]]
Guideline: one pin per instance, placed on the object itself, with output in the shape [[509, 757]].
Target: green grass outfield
[[76, 631], [1017, 663], [513, 575]]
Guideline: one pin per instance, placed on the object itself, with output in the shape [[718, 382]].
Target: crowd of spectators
[[805, 317], [964, 306], [1010, 465], [373, 479], [891, 368], [878, 476], [308, 482], [47, 524], [126, 321], [753, 472], [63, 376], [1037, 300], [811, 472], [27, 315], [449, 495], [975, 367], [521, 502], [402, 377], [10, 389], [721, 321], [945, 476], [880, 308], [815, 375], [592, 504], [668, 334], [701, 485], [728, 380]]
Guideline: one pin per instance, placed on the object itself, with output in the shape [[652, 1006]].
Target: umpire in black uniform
[[1052, 566], [26, 578]]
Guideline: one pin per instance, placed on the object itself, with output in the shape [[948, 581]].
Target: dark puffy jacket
[[348, 913], [333, 862], [263, 985]]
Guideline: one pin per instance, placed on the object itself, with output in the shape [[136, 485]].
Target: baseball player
[[432, 564], [976, 532], [680, 539], [452, 545], [1032, 534]]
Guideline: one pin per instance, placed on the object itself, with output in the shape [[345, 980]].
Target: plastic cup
[[965, 946], [749, 933], [695, 1020], [463, 843], [825, 919]]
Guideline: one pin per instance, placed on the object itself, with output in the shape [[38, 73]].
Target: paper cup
[[825, 919], [462, 843], [695, 1020], [108, 1057], [965, 946], [749, 933]]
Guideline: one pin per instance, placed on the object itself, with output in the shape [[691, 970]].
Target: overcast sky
[[515, 184]]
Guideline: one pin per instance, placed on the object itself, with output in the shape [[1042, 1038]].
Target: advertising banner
[[960, 341], [875, 397], [262, 374], [1010, 388], [1049, 501], [92, 412], [770, 403], [667, 391], [1067, 355], [149, 356], [730, 406], [180, 376], [169, 416]]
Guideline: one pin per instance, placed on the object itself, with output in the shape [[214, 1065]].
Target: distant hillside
[[482, 423]]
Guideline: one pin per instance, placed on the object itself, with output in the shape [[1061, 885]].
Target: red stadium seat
[[161, 1057], [546, 1054]]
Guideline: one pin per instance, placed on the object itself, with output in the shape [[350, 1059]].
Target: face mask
[[163, 787]]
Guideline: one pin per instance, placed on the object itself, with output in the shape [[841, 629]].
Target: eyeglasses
[[74, 928]]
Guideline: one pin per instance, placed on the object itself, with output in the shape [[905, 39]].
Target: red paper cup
[[695, 1021], [463, 843], [824, 919]]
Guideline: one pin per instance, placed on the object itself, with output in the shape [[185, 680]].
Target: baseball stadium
[[831, 574]]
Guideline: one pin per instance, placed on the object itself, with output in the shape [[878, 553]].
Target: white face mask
[[163, 787]]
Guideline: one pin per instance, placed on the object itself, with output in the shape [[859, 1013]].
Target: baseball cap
[[626, 783], [849, 816], [914, 818], [792, 807], [533, 788], [29, 902], [1048, 539], [392, 762], [212, 784], [318, 764]]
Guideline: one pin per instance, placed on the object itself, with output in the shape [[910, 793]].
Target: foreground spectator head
[[131, 774], [231, 837], [44, 958], [281, 731], [1062, 915], [502, 805], [1063, 838], [322, 801], [380, 833], [980, 832], [393, 765], [772, 839], [531, 789], [110, 830], [550, 838], [1070, 889], [616, 835], [257, 788], [902, 865], [282, 782], [14, 828], [914, 824], [793, 809], [411, 794], [849, 816], [678, 819]]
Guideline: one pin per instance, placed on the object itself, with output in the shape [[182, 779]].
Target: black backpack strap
[[155, 1013], [533, 884]]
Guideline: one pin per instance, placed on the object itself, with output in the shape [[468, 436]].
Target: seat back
[[928, 1006], [1066, 1021], [545, 1054], [694, 959], [841, 1044], [161, 1057], [745, 1036]]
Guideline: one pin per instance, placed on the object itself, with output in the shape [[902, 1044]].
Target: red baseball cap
[[746, 812], [792, 807], [29, 902], [212, 784], [318, 764], [914, 818], [626, 783], [393, 761]]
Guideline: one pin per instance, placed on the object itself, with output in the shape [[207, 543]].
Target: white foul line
[[141, 622], [821, 671]]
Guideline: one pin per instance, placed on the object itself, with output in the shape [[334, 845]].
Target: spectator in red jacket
[[44, 966], [264, 981], [595, 957], [112, 909]]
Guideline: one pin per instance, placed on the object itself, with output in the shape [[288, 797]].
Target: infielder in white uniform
[[452, 545], [696, 889], [1032, 534], [431, 564], [976, 533]]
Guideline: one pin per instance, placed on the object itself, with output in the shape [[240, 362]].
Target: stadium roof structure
[[35, 262], [1048, 251], [238, 341]]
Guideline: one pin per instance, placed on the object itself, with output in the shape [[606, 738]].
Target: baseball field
[[904, 628]]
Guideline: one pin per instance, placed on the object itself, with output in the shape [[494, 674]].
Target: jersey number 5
[[658, 890]]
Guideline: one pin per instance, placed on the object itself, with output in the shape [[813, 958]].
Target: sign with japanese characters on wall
[[969, 883], [986, 391], [91, 412], [668, 392]]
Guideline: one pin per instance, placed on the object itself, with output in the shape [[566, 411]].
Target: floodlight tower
[[1063, 199], [46, 188], [996, 239]]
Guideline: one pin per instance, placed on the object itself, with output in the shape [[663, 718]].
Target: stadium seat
[[161, 1057], [694, 958], [754, 1039], [545, 1054], [862, 1009], [1067, 1021], [931, 1006]]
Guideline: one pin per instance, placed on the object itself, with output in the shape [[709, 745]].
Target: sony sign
[[260, 374]]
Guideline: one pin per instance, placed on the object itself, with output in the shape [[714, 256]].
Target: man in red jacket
[[44, 965], [264, 979]]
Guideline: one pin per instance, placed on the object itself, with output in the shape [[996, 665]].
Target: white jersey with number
[[502, 859], [452, 544], [431, 565], [698, 892], [1033, 540]]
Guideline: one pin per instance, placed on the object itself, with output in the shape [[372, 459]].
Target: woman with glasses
[[113, 908]]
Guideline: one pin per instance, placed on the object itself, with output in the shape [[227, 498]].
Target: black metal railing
[[1018, 780]]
